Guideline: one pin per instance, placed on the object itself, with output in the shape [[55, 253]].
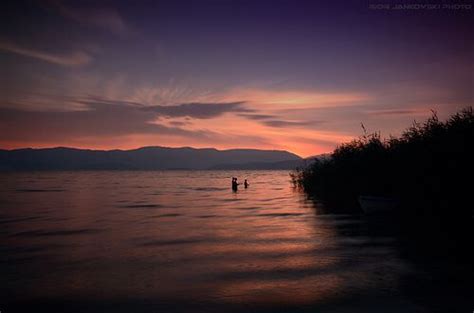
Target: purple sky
[[294, 75]]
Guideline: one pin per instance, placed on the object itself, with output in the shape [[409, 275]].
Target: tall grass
[[429, 167]]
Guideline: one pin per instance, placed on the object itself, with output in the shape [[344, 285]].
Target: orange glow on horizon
[[303, 150]]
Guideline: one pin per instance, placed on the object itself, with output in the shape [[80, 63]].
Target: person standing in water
[[246, 184], [235, 184]]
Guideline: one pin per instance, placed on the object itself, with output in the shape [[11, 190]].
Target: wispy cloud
[[75, 58], [100, 120], [257, 117], [173, 93], [107, 118], [398, 112], [105, 18], [275, 121], [103, 123], [198, 110], [295, 124], [295, 98]]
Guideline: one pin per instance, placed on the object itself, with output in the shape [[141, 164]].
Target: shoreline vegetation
[[428, 169]]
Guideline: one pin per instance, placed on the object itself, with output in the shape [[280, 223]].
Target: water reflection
[[183, 241]]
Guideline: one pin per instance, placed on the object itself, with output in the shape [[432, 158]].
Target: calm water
[[182, 241]]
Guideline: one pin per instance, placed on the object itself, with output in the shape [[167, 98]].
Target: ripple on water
[[167, 215], [280, 214], [231, 200], [209, 188], [18, 219], [142, 206], [250, 208], [7, 252], [208, 216], [272, 274], [58, 232], [174, 242], [40, 190], [195, 243]]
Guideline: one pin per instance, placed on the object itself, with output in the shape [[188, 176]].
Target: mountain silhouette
[[146, 158]]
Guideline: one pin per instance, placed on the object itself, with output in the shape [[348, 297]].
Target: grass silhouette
[[428, 168]]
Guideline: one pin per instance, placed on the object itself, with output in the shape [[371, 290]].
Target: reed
[[428, 167]]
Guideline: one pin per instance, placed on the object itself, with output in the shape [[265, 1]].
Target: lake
[[183, 241]]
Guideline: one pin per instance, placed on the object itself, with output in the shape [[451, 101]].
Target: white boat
[[375, 204]]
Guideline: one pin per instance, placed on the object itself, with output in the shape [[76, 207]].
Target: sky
[[288, 75]]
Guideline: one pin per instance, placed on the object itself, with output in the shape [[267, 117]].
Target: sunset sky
[[293, 75]]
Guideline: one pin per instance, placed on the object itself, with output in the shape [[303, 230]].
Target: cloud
[[75, 58], [173, 93], [198, 110], [398, 112], [110, 118], [257, 117], [284, 124], [99, 120], [110, 126], [195, 110], [178, 123], [104, 18], [277, 122], [290, 99]]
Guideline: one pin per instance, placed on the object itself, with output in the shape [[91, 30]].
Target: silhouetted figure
[[246, 184], [235, 184]]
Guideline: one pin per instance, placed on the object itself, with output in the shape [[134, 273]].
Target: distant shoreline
[[147, 158]]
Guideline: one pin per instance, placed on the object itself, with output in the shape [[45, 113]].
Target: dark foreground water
[[182, 241]]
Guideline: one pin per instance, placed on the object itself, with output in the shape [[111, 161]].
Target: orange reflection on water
[[173, 236]]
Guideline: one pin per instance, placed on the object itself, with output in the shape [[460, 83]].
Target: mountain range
[[146, 158]]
